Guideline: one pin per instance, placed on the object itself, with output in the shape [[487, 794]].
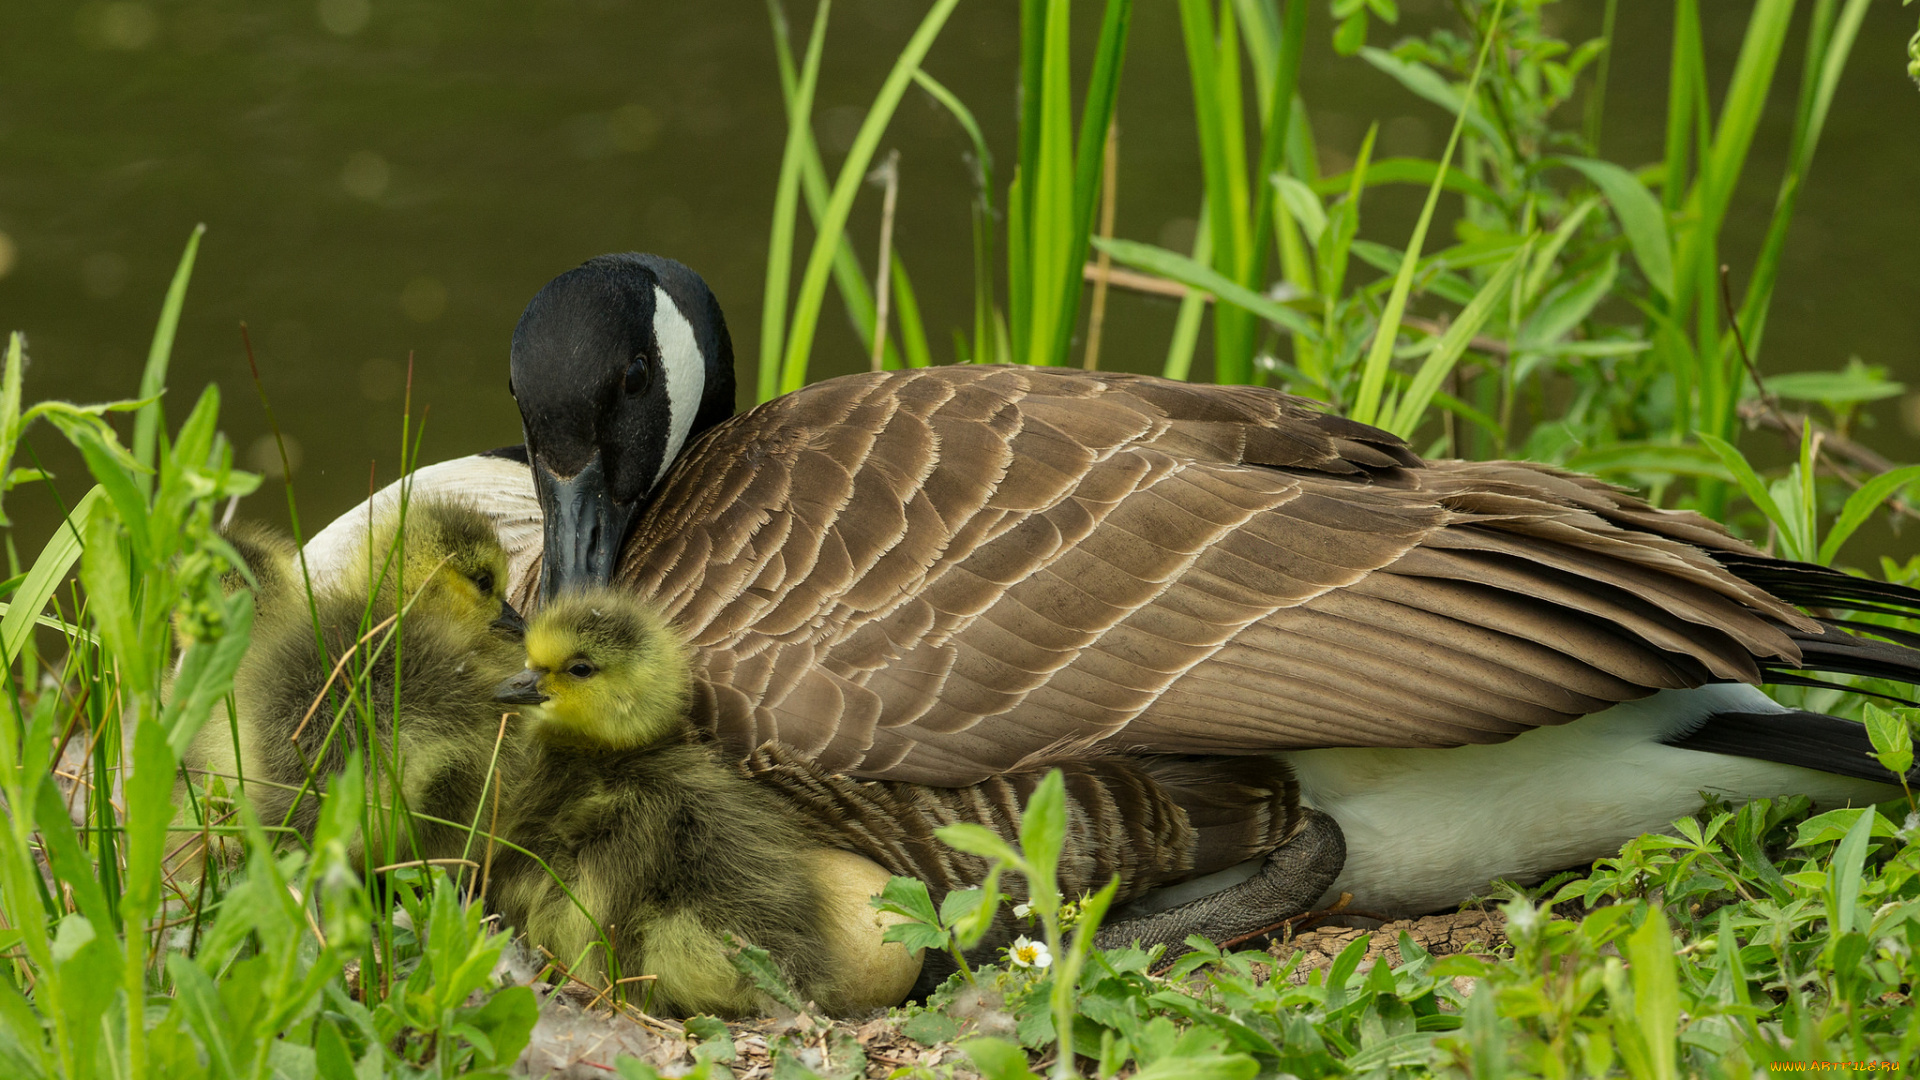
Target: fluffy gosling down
[[668, 849], [459, 637]]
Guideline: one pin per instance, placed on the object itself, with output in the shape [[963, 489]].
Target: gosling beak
[[522, 689], [510, 623]]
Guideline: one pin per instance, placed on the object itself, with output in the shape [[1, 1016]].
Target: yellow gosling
[[670, 849]]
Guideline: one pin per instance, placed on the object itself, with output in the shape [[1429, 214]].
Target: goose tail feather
[[1795, 737]]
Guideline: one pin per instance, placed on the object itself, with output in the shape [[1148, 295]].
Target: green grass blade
[[1722, 164], [786, 198], [1453, 344], [1556, 242], [1373, 376], [1684, 72], [1198, 275], [1861, 505], [1050, 190], [1020, 284], [1186, 326], [1196, 26], [849, 280], [1640, 215], [1409, 171], [1273, 139], [10, 423], [61, 552], [813, 286], [1103, 89], [1424, 82], [1816, 99], [913, 332], [153, 380], [983, 219], [952, 103], [1743, 474]]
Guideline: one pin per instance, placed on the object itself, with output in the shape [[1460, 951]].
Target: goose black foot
[[1295, 875]]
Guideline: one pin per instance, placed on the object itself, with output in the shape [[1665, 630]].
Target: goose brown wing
[[936, 576]]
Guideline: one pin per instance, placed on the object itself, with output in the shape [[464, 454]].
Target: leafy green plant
[[117, 964]]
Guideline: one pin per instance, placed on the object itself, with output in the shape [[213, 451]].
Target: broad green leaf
[[1641, 218], [1854, 383], [1861, 504], [68, 858], [149, 795], [206, 672], [96, 444], [998, 1059], [1849, 864], [959, 904], [194, 994], [1835, 824], [906, 896], [916, 936], [507, 1020], [1303, 204], [88, 981], [1208, 1067], [1892, 738], [1656, 993], [978, 840], [755, 963], [23, 1036], [1043, 833], [1566, 307]]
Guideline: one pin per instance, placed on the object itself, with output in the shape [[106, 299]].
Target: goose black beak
[[510, 623], [521, 689], [584, 526]]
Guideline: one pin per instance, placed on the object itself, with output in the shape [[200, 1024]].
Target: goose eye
[[580, 669], [639, 375], [484, 582]]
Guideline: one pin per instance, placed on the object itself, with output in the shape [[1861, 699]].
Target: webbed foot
[[1294, 876]]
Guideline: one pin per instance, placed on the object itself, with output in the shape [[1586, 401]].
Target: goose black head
[[616, 364]]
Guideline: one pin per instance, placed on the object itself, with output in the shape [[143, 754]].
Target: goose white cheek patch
[[686, 372]]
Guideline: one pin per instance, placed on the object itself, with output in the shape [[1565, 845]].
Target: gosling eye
[[484, 582], [580, 669]]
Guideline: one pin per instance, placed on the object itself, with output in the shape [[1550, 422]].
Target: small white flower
[[1021, 911], [1027, 953]]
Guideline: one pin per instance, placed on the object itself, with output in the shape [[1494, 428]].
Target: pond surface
[[393, 179]]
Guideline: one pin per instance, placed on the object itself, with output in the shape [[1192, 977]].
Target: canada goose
[[921, 588], [658, 841], [457, 639]]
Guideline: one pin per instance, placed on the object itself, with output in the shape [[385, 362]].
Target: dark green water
[[397, 178]]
